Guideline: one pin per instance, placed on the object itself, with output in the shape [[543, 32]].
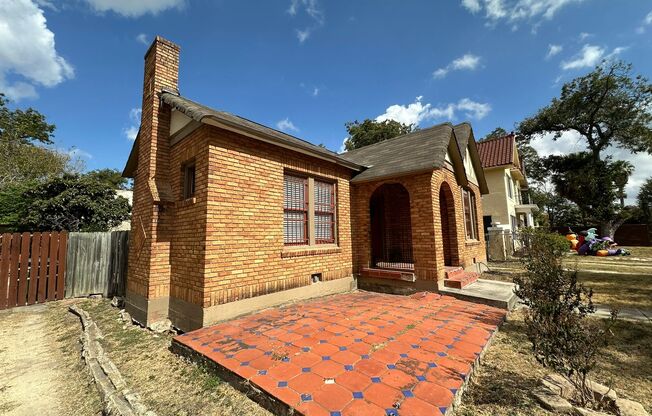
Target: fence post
[[497, 245]]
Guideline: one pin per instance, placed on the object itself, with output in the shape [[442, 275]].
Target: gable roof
[[202, 114], [419, 151], [497, 152], [466, 140]]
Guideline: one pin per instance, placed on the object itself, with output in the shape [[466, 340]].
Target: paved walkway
[[628, 314], [355, 354]]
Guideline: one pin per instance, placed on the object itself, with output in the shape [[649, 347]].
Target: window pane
[[295, 215], [324, 197], [324, 228], [294, 227], [295, 193], [324, 212], [468, 222]]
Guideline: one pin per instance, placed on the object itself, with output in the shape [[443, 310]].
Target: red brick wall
[[149, 269], [245, 255], [427, 244]]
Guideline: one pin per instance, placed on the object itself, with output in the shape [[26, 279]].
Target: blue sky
[[309, 66]]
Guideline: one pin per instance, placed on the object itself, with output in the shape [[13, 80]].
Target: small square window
[[189, 180]]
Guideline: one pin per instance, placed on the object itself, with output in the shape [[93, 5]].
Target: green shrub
[[562, 338]]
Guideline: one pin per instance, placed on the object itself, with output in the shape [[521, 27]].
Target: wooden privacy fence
[[32, 268], [97, 264]]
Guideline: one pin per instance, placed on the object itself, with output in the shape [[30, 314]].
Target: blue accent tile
[[364, 356], [268, 353], [391, 366], [306, 336], [391, 338], [322, 341], [403, 355], [262, 372], [414, 346], [463, 375], [229, 356], [205, 344], [285, 359], [282, 384], [338, 335], [391, 412], [424, 338], [449, 346], [441, 354], [342, 348], [305, 349], [407, 393], [370, 333], [348, 367], [357, 340], [305, 370], [457, 339], [375, 379], [325, 358], [336, 413], [432, 365], [244, 363], [443, 409], [216, 349], [421, 378], [453, 391], [357, 395], [287, 344], [306, 397]]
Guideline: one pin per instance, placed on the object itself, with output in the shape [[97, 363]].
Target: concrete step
[[488, 292], [460, 281]]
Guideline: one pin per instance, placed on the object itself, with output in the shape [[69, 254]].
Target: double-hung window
[[309, 211], [295, 210], [324, 213], [470, 215]]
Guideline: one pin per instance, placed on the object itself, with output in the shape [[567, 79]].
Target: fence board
[[34, 267], [43, 270], [24, 269], [5, 245], [96, 263], [52, 269], [14, 261], [63, 247]]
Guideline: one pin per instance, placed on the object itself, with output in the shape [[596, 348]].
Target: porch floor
[[359, 353]]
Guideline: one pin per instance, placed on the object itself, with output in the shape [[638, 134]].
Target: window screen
[[470, 222], [189, 181], [295, 210], [324, 212]]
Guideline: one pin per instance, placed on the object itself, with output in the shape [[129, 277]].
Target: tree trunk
[[609, 228]]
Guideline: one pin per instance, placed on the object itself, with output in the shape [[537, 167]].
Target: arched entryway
[[448, 225], [391, 228]]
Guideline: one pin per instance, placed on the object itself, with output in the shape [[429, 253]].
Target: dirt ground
[[42, 372]]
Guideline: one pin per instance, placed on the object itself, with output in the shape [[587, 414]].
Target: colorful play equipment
[[587, 243]]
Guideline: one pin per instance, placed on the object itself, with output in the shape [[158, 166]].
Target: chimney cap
[[158, 39]]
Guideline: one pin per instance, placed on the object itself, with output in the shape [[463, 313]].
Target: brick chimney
[[148, 279]]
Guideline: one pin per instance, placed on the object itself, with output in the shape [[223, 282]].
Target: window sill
[[473, 242], [316, 250], [186, 202]]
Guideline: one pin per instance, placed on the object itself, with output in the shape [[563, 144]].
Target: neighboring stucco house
[[507, 204], [230, 216]]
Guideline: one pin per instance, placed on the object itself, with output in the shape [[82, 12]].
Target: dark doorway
[[391, 228], [448, 225]]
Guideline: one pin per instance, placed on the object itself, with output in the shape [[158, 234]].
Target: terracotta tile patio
[[360, 353]]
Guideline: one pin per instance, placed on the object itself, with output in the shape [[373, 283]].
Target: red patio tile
[[383, 395], [362, 408], [353, 380], [333, 397], [433, 394], [284, 371], [328, 369], [370, 367], [306, 383], [312, 409], [306, 359], [398, 379], [346, 357], [417, 407]]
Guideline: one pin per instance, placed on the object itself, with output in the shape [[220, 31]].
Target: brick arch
[[448, 225], [391, 226]]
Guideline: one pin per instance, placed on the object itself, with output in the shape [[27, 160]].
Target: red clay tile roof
[[497, 152]]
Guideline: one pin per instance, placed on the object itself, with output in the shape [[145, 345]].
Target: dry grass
[[167, 383], [502, 384]]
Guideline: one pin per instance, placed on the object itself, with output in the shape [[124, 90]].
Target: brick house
[[230, 216]]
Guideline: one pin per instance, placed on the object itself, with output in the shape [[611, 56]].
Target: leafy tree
[[607, 107], [559, 210], [111, 177], [644, 200], [371, 131], [73, 203], [28, 126], [621, 170], [495, 133], [26, 163]]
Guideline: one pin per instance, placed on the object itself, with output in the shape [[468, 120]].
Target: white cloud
[[27, 51], [286, 125], [76, 153], [135, 8], [314, 12], [583, 36], [418, 112], [513, 11], [554, 50], [315, 92], [467, 62], [571, 142], [590, 56], [647, 21], [143, 38], [132, 131]]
